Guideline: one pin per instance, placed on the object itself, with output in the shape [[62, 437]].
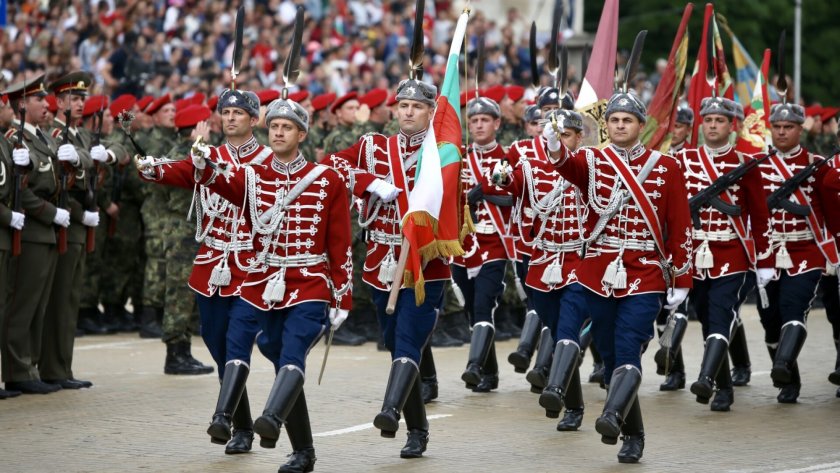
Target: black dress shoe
[[346, 337], [674, 381], [300, 461], [488, 383], [34, 386], [723, 400], [4, 394], [416, 444], [571, 420], [241, 442], [69, 383], [741, 375], [787, 395], [632, 448]]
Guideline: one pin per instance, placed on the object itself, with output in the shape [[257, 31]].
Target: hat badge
[[232, 99], [410, 90], [623, 102], [283, 109], [784, 113]]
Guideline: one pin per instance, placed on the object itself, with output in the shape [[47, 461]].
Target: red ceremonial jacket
[[523, 217], [831, 197], [487, 243], [301, 224], [717, 234], [225, 235], [599, 182], [790, 233], [360, 165]]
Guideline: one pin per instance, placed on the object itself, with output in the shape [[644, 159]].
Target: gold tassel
[[469, 226], [703, 258], [783, 260]]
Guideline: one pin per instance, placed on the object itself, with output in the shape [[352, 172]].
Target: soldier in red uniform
[[799, 244], [228, 324], [828, 283], [639, 244], [380, 171], [555, 240], [480, 272], [725, 247], [301, 270]]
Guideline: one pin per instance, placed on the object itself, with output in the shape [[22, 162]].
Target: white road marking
[[822, 468], [360, 427], [115, 344]]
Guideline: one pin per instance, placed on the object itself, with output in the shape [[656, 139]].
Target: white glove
[[199, 155], [764, 276], [67, 153], [675, 297], [501, 173], [99, 154], [385, 191], [17, 220], [551, 138], [62, 217], [337, 317], [21, 157], [90, 219]]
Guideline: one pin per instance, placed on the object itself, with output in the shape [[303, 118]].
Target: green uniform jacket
[[77, 232]]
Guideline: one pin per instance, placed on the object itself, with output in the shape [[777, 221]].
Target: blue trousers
[[228, 327], [481, 293], [621, 326], [563, 311], [717, 302], [408, 329], [521, 268], [289, 333], [790, 300]]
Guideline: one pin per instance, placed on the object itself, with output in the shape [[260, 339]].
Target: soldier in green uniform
[[35, 267], [373, 113], [11, 162], [59, 331], [342, 137], [321, 124]]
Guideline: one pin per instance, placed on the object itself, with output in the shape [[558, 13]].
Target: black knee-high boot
[[713, 355], [621, 393], [573, 416], [284, 393], [416, 423], [538, 376], [233, 384], [521, 358], [565, 363], [633, 440], [790, 344], [740, 354], [482, 340], [243, 427], [489, 373], [665, 357], [725, 395], [302, 458], [428, 375], [404, 373]]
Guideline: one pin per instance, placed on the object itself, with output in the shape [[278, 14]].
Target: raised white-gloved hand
[[62, 217], [500, 175], [99, 154], [384, 190], [551, 137], [90, 219], [675, 297], [337, 317], [67, 153], [764, 276], [199, 155], [17, 220], [21, 157]]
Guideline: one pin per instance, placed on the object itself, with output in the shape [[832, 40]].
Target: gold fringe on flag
[[469, 226]]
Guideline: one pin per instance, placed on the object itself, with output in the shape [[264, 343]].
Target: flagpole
[[797, 51], [396, 285]]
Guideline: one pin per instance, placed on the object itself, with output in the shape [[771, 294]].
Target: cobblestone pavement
[[136, 418]]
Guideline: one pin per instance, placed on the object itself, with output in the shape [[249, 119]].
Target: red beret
[[299, 96], [267, 96], [198, 98], [813, 111], [829, 112], [322, 101], [374, 98], [94, 104], [343, 99], [495, 93], [392, 100], [468, 95], [212, 102], [181, 104], [144, 102], [52, 105], [122, 103], [191, 116], [157, 104], [515, 92]]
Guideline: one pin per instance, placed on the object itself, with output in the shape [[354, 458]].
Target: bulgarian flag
[[663, 106], [432, 224], [754, 135]]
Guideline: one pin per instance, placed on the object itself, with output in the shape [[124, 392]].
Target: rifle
[[779, 199], [19, 175], [63, 178], [710, 196], [90, 195]]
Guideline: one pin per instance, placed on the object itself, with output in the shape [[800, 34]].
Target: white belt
[[554, 247], [627, 244], [802, 235], [384, 238], [485, 228], [722, 235], [296, 261], [222, 245]]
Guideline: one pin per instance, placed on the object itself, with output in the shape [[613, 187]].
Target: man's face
[[165, 117], [519, 109], [534, 128], [716, 130], [284, 137], [380, 114], [623, 129], [680, 132], [76, 103], [413, 116], [508, 111], [346, 113], [483, 128], [785, 135], [237, 123], [36, 110], [571, 138], [7, 114]]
